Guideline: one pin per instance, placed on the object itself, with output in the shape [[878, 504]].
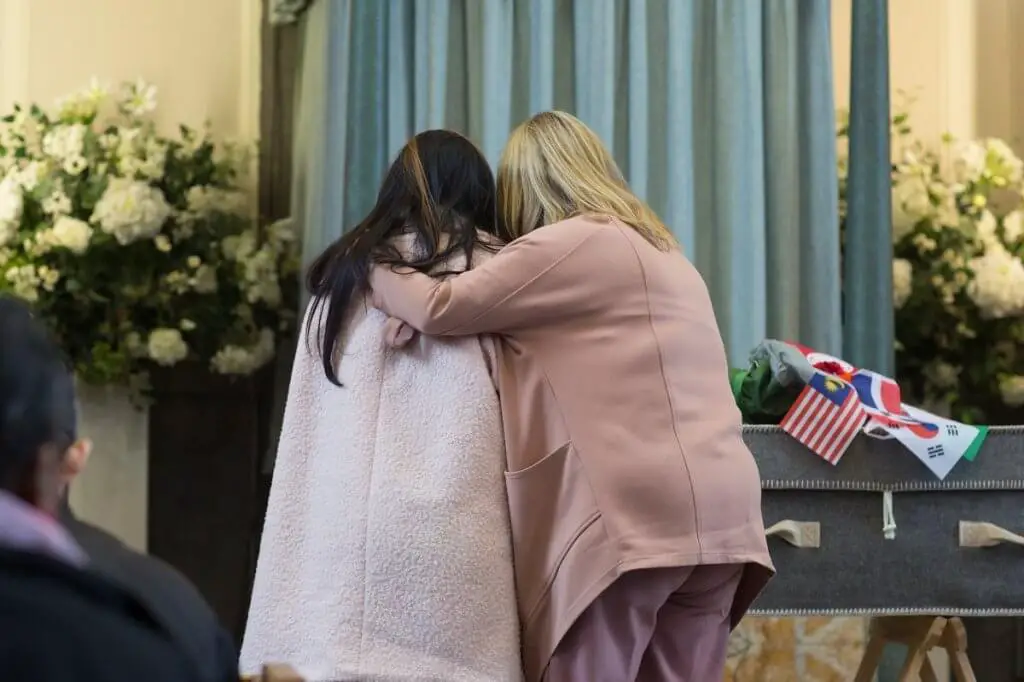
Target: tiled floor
[[796, 649]]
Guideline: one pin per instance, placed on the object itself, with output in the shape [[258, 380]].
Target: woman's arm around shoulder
[[546, 275]]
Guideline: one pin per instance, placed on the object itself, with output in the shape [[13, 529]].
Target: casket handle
[[976, 534], [802, 534]]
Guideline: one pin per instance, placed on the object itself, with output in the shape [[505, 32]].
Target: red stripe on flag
[[825, 428]]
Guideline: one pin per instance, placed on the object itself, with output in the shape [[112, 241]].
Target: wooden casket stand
[[920, 634]]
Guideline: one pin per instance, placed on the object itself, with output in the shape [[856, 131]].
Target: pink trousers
[[654, 625]]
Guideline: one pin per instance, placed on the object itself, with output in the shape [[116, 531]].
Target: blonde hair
[[554, 167]]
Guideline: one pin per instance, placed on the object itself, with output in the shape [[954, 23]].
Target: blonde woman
[[635, 505]]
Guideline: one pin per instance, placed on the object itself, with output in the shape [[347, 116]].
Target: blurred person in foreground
[[59, 621], [635, 504], [169, 595]]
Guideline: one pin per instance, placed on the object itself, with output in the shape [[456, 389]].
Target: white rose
[[71, 234], [902, 281], [1012, 390], [998, 285], [131, 210], [166, 347]]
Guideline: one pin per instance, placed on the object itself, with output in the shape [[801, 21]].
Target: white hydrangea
[[911, 203], [902, 281], [131, 210], [998, 285], [12, 205], [1011, 389], [166, 347], [68, 233], [232, 359]]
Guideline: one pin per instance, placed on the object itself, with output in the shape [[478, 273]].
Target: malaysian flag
[[826, 417]]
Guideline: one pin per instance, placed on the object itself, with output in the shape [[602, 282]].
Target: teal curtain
[[719, 111]]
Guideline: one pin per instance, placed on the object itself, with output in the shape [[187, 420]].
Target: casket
[[878, 534]]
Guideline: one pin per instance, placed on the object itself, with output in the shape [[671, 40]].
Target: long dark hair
[[441, 190]]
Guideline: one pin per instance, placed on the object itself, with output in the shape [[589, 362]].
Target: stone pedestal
[[112, 492]]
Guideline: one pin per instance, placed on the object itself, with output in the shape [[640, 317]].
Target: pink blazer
[[623, 440]]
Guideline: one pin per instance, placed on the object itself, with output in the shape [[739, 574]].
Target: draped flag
[[938, 442], [826, 417]]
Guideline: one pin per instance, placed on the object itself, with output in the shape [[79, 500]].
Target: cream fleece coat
[[386, 551]]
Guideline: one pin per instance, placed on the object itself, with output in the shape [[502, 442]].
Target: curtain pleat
[[720, 113]]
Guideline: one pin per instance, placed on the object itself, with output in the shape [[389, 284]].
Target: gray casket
[[878, 534]]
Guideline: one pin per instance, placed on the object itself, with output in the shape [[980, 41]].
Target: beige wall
[[203, 56], [957, 58]]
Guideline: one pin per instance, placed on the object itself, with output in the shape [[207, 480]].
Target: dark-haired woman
[[386, 551]]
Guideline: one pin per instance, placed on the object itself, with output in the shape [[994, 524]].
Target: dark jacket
[[59, 623], [172, 599]]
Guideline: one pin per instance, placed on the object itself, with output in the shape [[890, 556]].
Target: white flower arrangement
[[958, 272], [139, 249]]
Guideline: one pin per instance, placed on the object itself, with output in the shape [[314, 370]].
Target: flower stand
[[920, 635], [112, 492], [207, 437]]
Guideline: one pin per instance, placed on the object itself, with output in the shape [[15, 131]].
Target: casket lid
[[874, 464]]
